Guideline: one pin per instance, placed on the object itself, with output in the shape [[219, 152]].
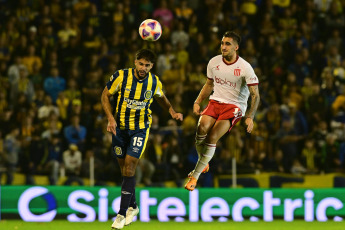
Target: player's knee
[[202, 130], [212, 138], [128, 171]]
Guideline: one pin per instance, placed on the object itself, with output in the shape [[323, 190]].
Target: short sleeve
[[114, 82], [159, 91], [209, 71], [250, 76]]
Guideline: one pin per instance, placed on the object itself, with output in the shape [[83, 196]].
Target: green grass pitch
[[153, 225]]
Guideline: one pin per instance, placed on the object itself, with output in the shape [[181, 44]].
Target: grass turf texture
[[246, 225]]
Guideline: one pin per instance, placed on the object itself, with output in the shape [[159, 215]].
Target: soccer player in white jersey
[[232, 80]]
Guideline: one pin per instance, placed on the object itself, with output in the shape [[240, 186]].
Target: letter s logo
[[28, 196]]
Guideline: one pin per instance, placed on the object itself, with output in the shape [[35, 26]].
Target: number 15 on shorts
[[138, 141]]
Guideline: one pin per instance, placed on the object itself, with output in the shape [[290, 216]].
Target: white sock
[[200, 144], [204, 159]]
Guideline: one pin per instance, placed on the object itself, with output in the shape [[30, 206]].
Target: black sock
[[133, 202], [127, 191]]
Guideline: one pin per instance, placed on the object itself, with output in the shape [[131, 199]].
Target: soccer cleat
[[119, 222], [130, 214], [205, 170], [191, 184]]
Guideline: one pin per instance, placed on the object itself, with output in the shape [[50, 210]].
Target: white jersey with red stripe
[[231, 81]]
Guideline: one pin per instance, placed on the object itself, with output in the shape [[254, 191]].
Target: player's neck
[[230, 59]]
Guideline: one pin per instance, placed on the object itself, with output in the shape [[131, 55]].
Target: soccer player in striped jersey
[[130, 125]]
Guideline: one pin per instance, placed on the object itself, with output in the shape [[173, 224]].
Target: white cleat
[[130, 214], [119, 222]]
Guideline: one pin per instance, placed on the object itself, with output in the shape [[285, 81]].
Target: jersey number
[[137, 141]]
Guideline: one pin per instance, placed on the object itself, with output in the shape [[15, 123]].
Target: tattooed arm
[[255, 99]]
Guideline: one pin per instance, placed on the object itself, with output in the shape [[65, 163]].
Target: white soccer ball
[[150, 30]]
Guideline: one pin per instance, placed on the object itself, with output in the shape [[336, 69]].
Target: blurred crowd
[[56, 57]]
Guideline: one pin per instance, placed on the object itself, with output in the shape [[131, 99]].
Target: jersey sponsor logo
[[225, 82], [118, 150], [253, 79], [134, 104], [148, 94], [237, 72]]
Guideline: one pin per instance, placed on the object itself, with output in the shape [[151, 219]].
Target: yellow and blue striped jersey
[[132, 107]]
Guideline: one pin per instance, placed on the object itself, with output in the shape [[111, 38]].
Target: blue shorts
[[131, 142]]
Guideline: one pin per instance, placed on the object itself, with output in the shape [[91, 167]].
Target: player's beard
[[229, 56], [139, 76]]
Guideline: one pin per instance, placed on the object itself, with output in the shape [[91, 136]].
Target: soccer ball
[[150, 30]]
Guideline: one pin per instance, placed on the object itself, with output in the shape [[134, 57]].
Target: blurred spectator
[[310, 155], [12, 148], [47, 108], [2, 156], [14, 70], [65, 33], [62, 103], [72, 92], [260, 141], [298, 120], [144, 172], [335, 40], [3, 101], [172, 78], [173, 158], [330, 161], [22, 85], [297, 167], [31, 58], [234, 144], [53, 158], [339, 104], [98, 165], [183, 11], [75, 133], [72, 161], [180, 36], [92, 87], [335, 18], [154, 153], [54, 84], [164, 14], [165, 59], [273, 163], [287, 142], [36, 77]]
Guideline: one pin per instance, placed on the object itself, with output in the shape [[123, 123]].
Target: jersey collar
[[231, 62]]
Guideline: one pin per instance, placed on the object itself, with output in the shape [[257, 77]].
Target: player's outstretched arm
[[111, 128], [255, 99], [165, 103], [205, 92]]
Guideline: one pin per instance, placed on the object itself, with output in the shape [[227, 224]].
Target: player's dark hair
[[235, 36], [146, 54]]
